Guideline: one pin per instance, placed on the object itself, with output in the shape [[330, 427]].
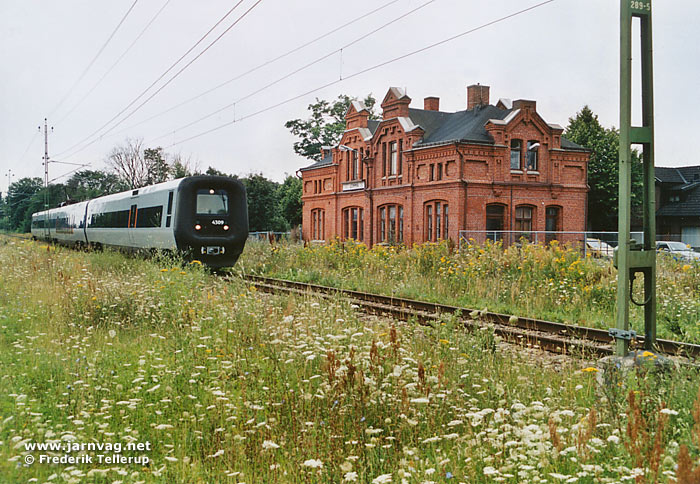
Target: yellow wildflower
[[590, 369]]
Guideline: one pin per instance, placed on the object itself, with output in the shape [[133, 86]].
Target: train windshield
[[212, 202]]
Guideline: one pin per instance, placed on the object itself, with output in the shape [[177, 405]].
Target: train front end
[[211, 219]]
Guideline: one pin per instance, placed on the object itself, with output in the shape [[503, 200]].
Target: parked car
[[598, 248], [678, 250]]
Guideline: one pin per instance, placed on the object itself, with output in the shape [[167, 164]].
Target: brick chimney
[[477, 95], [431, 103]]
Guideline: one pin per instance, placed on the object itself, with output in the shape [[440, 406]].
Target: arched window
[[515, 149], [523, 218], [318, 224], [390, 223], [552, 222], [495, 215], [353, 219], [437, 220]]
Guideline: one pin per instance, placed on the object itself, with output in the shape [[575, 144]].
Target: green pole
[[634, 257]]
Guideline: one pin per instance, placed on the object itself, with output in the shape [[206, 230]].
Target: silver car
[[678, 250]]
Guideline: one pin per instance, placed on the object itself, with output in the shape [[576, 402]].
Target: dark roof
[[683, 182], [570, 145], [441, 127], [328, 160], [470, 125], [373, 124]]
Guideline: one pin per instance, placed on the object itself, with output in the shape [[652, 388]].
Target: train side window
[[149, 217], [170, 203]]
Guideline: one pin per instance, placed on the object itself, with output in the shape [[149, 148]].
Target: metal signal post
[[632, 256], [46, 174]]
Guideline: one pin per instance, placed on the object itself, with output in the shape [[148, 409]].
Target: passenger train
[[203, 217]]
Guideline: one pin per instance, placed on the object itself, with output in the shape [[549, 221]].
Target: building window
[[383, 159], [436, 220], [494, 222], [532, 148], [439, 171], [432, 173], [552, 223], [523, 218], [400, 171], [393, 158], [515, 148], [353, 223], [318, 224], [391, 224], [355, 166]]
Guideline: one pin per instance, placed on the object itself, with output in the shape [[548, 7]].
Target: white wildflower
[[112, 333], [268, 444], [350, 477], [384, 478], [668, 411], [313, 463]]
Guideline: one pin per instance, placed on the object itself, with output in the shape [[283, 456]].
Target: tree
[[290, 200], [585, 130], [128, 163], [157, 169], [325, 126], [263, 204], [88, 184]]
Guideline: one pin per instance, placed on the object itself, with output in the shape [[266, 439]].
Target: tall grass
[[546, 282], [230, 385]]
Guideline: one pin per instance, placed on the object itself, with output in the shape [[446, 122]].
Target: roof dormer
[[395, 103], [357, 115]]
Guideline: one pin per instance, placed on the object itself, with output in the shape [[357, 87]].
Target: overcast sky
[[563, 54]]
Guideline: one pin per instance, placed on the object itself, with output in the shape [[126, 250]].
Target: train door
[[133, 216]]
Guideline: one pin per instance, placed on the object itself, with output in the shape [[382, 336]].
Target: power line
[[116, 62], [151, 85], [94, 58], [260, 66], [363, 71], [296, 71]]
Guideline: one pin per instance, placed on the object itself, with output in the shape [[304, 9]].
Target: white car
[[598, 248], [678, 250]]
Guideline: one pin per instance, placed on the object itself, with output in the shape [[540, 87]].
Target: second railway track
[[547, 335]]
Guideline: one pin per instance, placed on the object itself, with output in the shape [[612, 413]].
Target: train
[[202, 217]]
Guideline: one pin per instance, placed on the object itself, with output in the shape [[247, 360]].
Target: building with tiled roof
[[421, 175], [678, 204]]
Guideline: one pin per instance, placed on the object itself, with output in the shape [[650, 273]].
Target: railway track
[[547, 335]]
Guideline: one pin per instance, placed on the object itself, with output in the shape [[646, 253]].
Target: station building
[[420, 175]]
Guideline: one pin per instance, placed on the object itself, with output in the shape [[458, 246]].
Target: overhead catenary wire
[[363, 71], [299, 69], [172, 66], [92, 62], [104, 76], [260, 66]]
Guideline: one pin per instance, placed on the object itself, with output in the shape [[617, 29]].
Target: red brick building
[[421, 175]]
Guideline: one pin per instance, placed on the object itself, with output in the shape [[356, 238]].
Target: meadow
[[552, 282], [230, 385]]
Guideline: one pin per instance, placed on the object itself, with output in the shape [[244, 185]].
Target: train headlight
[[225, 227], [211, 191], [198, 227]]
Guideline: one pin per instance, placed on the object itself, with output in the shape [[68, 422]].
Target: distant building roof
[[682, 181]]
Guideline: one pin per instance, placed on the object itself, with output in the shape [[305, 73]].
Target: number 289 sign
[[641, 6]]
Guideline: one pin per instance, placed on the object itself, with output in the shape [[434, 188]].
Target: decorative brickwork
[[424, 174]]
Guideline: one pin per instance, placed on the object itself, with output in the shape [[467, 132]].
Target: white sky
[[563, 55]]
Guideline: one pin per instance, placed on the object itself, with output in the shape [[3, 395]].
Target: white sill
[[533, 172], [517, 172]]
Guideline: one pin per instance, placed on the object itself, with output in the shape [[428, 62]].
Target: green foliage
[[325, 125], [585, 130], [158, 170], [263, 204], [290, 200], [88, 184], [229, 386], [551, 282]]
